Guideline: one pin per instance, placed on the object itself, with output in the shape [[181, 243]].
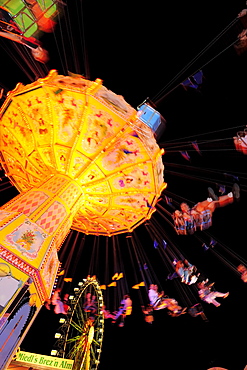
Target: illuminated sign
[[33, 359]]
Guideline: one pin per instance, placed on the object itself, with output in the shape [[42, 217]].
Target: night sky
[[144, 50]]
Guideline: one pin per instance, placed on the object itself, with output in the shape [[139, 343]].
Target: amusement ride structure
[[81, 158], [86, 164]]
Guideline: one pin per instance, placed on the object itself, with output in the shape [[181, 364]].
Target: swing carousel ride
[[91, 184]]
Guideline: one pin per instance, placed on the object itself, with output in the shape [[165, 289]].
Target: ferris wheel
[[84, 335]]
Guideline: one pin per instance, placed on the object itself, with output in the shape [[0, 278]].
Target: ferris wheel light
[[54, 352], [62, 320], [58, 335], [85, 324], [81, 283]]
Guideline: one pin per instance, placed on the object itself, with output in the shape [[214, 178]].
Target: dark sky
[[143, 50]]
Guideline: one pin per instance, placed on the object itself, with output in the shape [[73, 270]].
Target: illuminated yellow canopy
[[78, 128]]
